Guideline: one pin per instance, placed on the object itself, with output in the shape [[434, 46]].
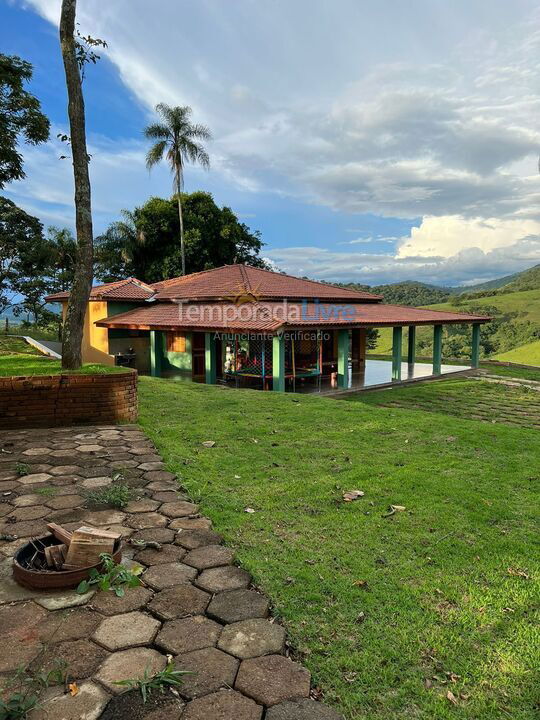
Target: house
[[251, 327]]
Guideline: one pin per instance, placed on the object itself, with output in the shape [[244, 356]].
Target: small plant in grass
[[47, 491], [113, 576], [20, 694], [169, 677], [116, 496], [22, 468]]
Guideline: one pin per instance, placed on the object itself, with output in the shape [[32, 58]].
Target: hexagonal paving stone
[[187, 634], [225, 578], [96, 482], [71, 624], [65, 501], [126, 664], [27, 500], [89, 448], [34, 478], [302, 709], [165, 496], [151, 466], [223, 705], [143, 520], [209, 556], [26, 528], [180, 508], [87, 704], [187, 523], [37, 451], [158, 706], [61, 601], [81, 657], [20, 636], [237, 605], [272, 679], [160, 476], [252, 638], [103, 517], [142, 505], [211, 668], [191, 539], [62, 454], [167, 554], [110, 604], [35, 512], [160, 535], [128, 630], [167, 575], [143, 449], [179, 601], [66, 470]]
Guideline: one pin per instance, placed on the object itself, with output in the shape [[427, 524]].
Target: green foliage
[[527, 280], [22, 468], [115, 577], [144, 244], [116, 495], [46, 491], [169, 677], [405, 293], [20, 694], [20, 116]]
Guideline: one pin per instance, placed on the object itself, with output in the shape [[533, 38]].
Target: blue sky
[[372, 142]]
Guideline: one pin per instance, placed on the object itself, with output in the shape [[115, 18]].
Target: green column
[[156, 353], [411, 345], [437, 349], [278, 363], [210, 358], [343, 359], [397, 342], [475, 354]]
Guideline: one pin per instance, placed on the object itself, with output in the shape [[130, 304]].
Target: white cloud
[[446, 236]]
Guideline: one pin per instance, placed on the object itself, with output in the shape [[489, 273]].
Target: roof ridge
[[313, 282], [190, 275]]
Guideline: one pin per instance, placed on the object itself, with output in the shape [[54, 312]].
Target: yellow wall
[[95, 341]]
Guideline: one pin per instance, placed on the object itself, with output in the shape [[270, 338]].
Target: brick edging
[[67, 399]]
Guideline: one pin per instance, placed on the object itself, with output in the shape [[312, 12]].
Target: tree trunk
[[181, 219], [82, 283]]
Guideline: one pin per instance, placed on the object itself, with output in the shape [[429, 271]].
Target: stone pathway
[[194, 605]]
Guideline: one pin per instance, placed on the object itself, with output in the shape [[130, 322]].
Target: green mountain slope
[[528, 354], [516, 323]]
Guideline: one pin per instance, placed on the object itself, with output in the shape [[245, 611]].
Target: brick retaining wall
[[49, 400]]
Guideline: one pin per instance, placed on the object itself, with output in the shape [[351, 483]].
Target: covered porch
[[308, 360]]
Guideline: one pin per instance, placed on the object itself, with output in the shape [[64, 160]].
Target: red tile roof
[[128, 289], [274, 316], [229, 281]]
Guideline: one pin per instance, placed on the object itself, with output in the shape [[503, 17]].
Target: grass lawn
[[528, 354], [35, 364], [464, 398], [10, 345], [389, 613], [525, 373]]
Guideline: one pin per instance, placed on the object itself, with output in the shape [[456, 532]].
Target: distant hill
[[408, 292], [526, 280], [489, 285]]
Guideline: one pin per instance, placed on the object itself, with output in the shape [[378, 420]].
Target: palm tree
[[177, 138]]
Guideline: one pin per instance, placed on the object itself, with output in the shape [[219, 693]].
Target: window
[[176, 342]]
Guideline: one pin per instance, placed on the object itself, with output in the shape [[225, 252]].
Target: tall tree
[[145, 243], [177, 138], [20, 115], [80, 292], [21, 240]]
